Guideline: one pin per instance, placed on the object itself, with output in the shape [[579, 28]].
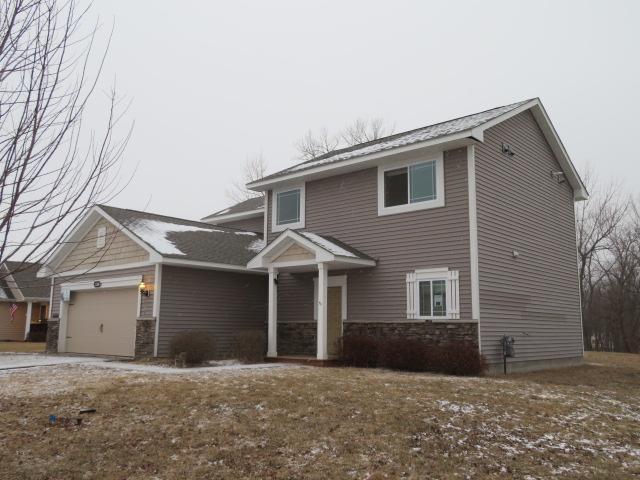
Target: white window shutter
[[411, 296], [453, 295]]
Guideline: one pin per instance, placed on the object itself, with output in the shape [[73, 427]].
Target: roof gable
[[452, 133]]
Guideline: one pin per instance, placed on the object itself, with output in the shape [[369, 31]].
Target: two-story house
[[463, 230]]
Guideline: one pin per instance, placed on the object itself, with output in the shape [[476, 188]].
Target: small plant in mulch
[[249, 346], [192, 348]]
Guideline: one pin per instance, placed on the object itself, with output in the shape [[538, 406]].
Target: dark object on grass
[[196, 346], [87, 410], [64, 421], [249, 346]]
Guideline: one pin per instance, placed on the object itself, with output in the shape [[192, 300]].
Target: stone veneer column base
[[299, 338], [145, 336], [53, 327]]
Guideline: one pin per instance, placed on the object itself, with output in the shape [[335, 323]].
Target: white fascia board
[[91, 271], [550, 134], [13, 286], [209, 265], [284, 241], [217, 219], [458, 139]]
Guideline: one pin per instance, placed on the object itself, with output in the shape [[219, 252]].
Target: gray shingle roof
[[187, 239], [334, 245], [401, 139], [24, 274], [241, 207]]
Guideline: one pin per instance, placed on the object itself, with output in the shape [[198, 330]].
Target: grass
[[21, 347], [301, 422]]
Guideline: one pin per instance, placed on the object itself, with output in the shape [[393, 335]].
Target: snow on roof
[[256, 245], [401, 139], [155, 232], [327, 245]]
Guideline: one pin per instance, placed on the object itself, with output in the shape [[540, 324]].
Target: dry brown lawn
[[302, 422], [21, 347]]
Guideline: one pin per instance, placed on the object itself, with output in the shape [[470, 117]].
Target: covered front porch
[[298, 252]]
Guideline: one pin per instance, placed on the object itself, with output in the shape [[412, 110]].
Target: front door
[[334, 320]]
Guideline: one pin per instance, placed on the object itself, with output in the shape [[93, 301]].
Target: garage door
[[102, 322]]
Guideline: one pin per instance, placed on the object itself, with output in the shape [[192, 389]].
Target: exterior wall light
[[144, 291]]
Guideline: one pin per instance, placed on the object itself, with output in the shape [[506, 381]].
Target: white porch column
[[272, 336], [323, 280], [27, 324]]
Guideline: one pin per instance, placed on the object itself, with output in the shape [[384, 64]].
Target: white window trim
[[334, 281], [452, 279], [274, 208], [438, 157], [101, 237]]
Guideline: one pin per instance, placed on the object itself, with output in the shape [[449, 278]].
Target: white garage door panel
[[102, 322]]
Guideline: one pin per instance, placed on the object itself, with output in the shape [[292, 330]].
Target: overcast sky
[[214, 82]]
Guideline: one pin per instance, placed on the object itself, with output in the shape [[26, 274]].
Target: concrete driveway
[[10, 361]]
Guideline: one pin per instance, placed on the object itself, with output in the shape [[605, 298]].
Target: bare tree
[[313, 145], [254, 168], [52, 170], [597, 220]]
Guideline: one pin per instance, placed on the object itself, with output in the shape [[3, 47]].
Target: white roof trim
[[217, 219], [459, 139], [80, 230], [209, 265], [13, 285], [477, 134], [290, 237]]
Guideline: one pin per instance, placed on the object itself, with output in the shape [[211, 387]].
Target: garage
[[102, 321]]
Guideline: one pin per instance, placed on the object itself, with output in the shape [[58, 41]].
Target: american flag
[[12, 310]]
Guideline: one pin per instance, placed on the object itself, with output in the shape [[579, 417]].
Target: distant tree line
[[608, 236]]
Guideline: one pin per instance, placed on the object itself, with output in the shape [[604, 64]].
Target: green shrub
[[249, 346], [193, 347]]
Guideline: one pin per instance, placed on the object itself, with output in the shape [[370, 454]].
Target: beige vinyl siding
[[294, 253], [118, 250], [148, 276], [221, 303], [346, 207], [534, 297], [12, 329], [255, 224]]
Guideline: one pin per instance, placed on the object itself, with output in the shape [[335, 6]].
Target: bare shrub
[[250, 346], [194, 347]]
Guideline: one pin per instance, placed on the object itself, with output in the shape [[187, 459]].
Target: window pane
[[395, 187], [288, 207], [425, 299], [422, 180], [439, 298]]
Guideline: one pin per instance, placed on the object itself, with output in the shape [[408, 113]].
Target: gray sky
[[214, 82]]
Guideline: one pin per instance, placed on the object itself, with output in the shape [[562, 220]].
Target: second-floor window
[[288, 208], [411, 186]]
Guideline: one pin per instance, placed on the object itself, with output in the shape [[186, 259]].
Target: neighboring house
[[125, 282], [459, 231], [20, 286]]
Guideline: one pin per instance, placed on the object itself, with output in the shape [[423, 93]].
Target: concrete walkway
[[12, 361]]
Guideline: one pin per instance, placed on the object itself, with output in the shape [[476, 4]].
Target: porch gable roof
[[322, 249]]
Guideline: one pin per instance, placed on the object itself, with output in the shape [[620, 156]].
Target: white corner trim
[[473, 233], [439, 201], [156, 306], [265, 220], [274, 208], [334, 281]]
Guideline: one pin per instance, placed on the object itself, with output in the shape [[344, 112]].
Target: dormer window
[[288, 208], [101, 237], [410, 186]]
